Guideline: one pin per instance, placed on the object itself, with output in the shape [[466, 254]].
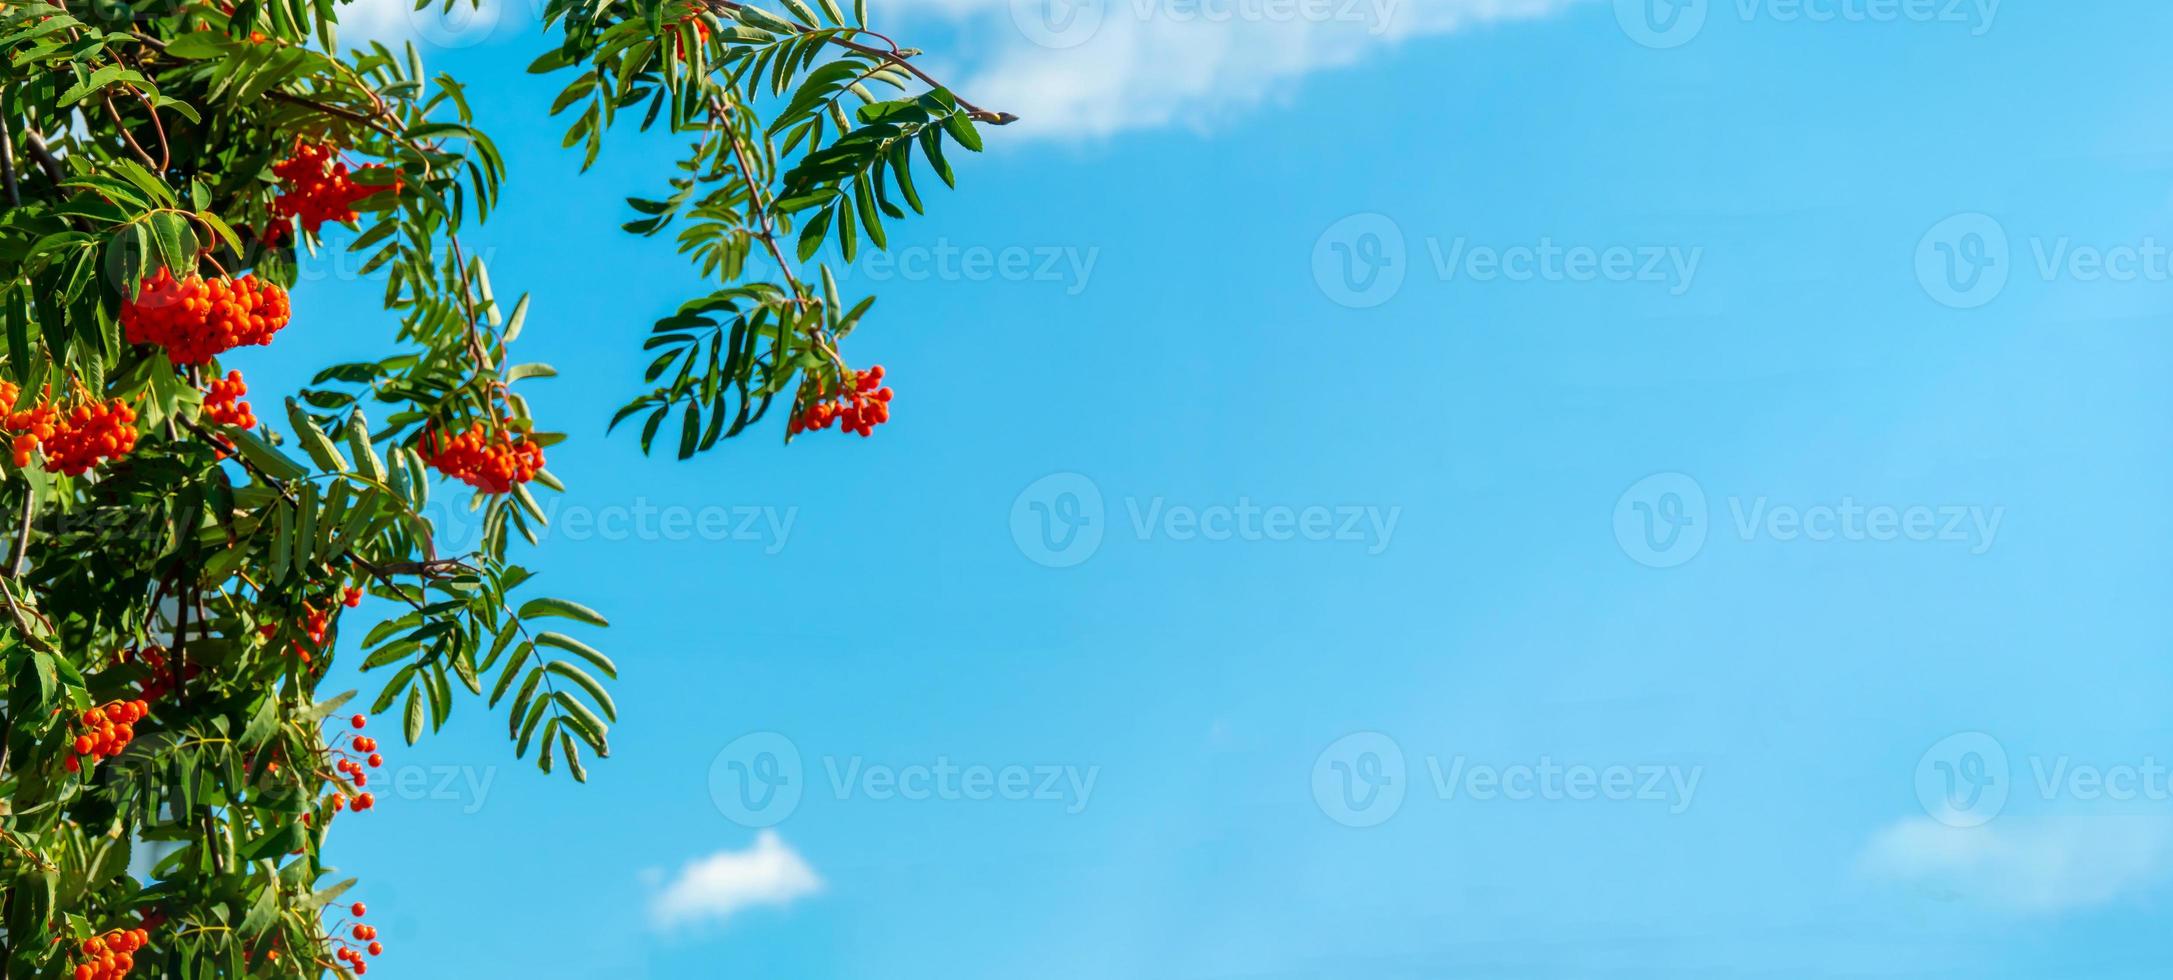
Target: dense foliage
[[173, 572]]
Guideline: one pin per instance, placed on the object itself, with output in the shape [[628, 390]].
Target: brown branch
[[7, 162], [767, 232], [333, 110], [158, 128], [35, 146], [755, 204], [467, 305]]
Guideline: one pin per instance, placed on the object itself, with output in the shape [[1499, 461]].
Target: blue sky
[[1461, 493]]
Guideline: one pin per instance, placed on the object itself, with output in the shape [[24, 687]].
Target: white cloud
[[1068, 68], [1090, 68], [464, 24], [2043, 865], [716, 887]]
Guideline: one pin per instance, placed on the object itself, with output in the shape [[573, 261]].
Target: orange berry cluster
[[106, 730], [30, 426], [110, 956], [315, 625], [74, 441], [364, 800], [223, 404], [162, 681], [352, 955], [352, 769], [90, 434], [865, 405], [701, 33], [491, 461], [196, 320], [318, 187]]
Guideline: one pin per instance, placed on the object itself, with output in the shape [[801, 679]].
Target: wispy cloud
[[2043, 866], [464, 23], [1071, 69], [717, 887], [1091, 68]]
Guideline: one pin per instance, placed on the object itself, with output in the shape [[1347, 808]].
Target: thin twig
[[767, 232], [7, 162], [18, 561], [126, 136]]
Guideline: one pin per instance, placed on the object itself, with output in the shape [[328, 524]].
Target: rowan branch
[[46, 161]]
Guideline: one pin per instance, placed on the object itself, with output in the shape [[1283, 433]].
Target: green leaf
[[961, 129], [572, 757], [512, 670], [413, 727], [358, 442], [319, 448], [589, 684], [176, 242], [579, 649], [264, 457], [541, 607]]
